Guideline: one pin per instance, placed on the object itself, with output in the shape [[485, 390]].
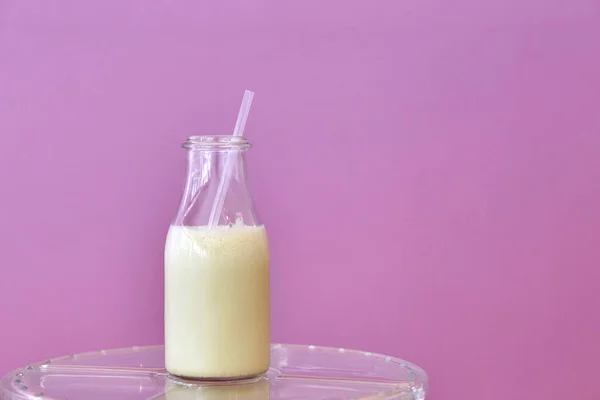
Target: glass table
[[297, 372]]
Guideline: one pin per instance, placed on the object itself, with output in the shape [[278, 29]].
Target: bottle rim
[[216, 142]]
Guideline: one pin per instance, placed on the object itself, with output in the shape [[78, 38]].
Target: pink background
[[428, 170]]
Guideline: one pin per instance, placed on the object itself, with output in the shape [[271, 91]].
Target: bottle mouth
[[216, 142]]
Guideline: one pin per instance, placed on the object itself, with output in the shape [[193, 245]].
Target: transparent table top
[[297, 372]]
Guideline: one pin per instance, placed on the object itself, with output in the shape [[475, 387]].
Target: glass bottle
[[217, 298]]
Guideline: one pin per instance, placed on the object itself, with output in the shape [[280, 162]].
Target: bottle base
[[195, 380]]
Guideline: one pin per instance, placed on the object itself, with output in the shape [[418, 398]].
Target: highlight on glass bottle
[[217, 297]]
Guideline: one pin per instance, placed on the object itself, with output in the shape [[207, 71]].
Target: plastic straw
[[217, 207]]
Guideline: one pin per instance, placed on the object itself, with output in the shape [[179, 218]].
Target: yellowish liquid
[[217, 310]]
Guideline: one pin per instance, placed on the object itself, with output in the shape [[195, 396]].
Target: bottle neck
[[216, 189]]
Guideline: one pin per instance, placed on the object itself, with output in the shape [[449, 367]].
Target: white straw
[[217, 207]]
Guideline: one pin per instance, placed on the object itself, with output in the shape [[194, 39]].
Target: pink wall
[[429, 172]]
